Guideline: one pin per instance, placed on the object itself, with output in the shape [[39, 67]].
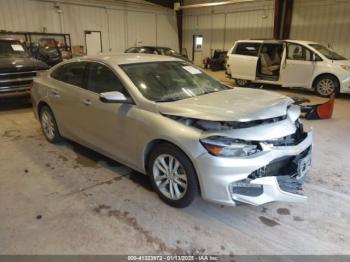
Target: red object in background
[[325, 110]]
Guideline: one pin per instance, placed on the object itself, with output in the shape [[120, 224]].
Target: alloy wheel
[[326, 87], [241, 82], [170, 177], [48, 125]]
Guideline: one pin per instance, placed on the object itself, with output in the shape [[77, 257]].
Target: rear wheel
[[242, 82], [326, 85], [49, 125], [172, 175]]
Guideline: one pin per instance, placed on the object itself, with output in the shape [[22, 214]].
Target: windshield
[[171, 81], [327, 52], [12, 48]]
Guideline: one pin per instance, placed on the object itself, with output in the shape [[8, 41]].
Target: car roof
[[126, 58], [274, 41], [149, 46], [303, 42]]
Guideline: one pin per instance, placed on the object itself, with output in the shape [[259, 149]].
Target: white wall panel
[[24, 15], [117, 31], [122, 23], [222, 26], [77, 19], [141, 28], [248, 25], [189, 28], [325, 21], [204, 27], [218, 31], [167, 31]]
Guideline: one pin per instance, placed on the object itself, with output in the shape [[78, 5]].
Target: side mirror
[[114, 97]]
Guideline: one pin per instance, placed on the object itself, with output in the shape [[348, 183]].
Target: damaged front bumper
[[274, 174]]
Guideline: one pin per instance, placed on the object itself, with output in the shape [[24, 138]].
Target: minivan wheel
[[172, 175], [49, 125], [242, 82], [326, 85]]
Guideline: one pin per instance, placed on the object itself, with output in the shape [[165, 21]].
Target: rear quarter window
[[249, 49]]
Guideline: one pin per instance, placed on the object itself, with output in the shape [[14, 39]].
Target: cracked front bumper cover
[[272, 191], [272, 175], [280, 180]]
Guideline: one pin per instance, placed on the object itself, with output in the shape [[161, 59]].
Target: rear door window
[[71, 73], [249, 49]]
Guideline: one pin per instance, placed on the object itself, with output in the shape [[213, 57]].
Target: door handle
[[55, 92], [86, 102]]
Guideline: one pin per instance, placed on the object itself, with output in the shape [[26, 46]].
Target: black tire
[[55, 136], [321, 88], [242, 82], [192, 182]]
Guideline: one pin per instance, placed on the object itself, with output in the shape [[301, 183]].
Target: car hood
[[9, 64], [342, 62], [238, 104]]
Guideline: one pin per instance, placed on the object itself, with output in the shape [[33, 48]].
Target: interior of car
[[269, 62]]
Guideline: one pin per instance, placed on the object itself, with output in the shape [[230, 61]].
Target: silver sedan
[[188, 132]]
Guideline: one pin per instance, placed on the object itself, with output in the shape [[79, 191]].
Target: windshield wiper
[[166, 100]]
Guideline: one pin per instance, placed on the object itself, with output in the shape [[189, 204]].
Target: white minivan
[[289, 63]]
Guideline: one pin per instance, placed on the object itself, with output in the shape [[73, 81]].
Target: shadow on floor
[[7, 104], [90, 158]]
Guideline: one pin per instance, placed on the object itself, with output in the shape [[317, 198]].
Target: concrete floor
[[66, 199]]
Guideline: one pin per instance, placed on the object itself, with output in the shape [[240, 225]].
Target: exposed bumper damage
[[274, 174], [280, 180], [273, 171]]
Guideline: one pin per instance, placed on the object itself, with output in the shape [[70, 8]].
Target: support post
[[283, 18]]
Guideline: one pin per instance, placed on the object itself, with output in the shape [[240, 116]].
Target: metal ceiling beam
[[164, 3], [229, 2]]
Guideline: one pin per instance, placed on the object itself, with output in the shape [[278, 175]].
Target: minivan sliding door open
[[269, 62]]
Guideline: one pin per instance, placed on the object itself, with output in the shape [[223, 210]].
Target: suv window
[[148, 50], [102, 79], [250, 49], [132, 50], [298, 52], [72, 73]]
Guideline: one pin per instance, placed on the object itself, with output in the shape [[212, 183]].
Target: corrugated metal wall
[[324, 21], [222, 26], [122, 24]]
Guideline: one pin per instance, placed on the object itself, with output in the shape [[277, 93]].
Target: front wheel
[[242, 82], [172, 176], [326, 85]]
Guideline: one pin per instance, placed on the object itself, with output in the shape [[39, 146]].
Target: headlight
[[229, 147], [345, 67]]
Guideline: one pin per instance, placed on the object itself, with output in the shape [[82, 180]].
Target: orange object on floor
[[325, 110]]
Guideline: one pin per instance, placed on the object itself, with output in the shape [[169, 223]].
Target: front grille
[[17, 75], [284, 166], [13, 84], [291, 140], [16, 81]]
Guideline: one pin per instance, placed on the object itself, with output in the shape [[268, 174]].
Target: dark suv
[[17, 68]]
